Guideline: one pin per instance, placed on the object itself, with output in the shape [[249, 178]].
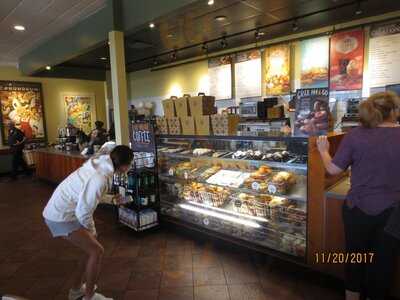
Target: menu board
[[277, 70], [384, 55], [347, 60], [220, 76], [248, 74], [314, 62], [312, 112]]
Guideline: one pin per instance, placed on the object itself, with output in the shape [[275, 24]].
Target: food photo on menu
[[346, 60], [312, 112]]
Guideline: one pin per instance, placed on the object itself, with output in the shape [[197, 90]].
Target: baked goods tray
[[297, 193], [227, 157]]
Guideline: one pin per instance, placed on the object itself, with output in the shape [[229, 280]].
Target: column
[[119, 86]]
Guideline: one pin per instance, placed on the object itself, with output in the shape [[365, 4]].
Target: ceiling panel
[[195, 24], [43, 19]]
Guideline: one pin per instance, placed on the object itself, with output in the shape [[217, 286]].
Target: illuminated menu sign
[[314, 63], [248, 74], [384, 55], [220, 76]]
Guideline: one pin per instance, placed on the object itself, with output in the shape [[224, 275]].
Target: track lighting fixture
[[359, 10], [295, 25], [204, 47], [224, 43]]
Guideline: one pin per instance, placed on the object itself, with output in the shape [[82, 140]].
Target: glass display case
[[249, 188]]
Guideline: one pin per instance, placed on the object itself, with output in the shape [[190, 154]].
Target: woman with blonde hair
[[373, 152]]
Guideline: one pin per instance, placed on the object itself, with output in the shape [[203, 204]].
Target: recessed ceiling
[[195, 24], [42, 20]]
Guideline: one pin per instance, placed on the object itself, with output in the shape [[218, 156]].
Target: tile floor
[[162, 264]]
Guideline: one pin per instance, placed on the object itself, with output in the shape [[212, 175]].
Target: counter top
[[74, 154], [339, 190]]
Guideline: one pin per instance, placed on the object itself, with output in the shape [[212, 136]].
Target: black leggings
[[364, 234]]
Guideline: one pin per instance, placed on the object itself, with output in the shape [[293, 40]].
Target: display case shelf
[[272, 164], [297, 193]]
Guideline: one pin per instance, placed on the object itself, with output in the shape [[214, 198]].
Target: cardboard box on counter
[[162, 125], [182, 106], [225, 124], [169, 107], [202, 105], [203, 125], [174, 125], [276, 112], [188, 126]]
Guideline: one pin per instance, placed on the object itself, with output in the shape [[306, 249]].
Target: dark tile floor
[[162, 264]]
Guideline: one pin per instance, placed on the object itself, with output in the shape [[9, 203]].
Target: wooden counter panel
[[55, 167]]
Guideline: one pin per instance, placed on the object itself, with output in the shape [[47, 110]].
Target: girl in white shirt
[[69, 212]]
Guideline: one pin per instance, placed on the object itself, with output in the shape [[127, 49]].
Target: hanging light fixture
[[224, 43], [204, 48], [258, 34], [295, 26], [359, 10], [174, 55]]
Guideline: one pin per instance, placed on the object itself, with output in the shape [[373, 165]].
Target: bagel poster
[[22, 104], [312, 112]]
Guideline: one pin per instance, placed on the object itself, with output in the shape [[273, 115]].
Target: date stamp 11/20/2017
[[344, 257]]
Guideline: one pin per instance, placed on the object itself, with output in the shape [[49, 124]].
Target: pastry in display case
[[252, 189]]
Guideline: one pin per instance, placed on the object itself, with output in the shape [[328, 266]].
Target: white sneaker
[[98, 296], [77, 294]]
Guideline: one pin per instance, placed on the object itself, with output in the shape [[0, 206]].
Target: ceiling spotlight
[[224, 43], [258, 34], [210, 2], [359, 10], [103, 58], [19, 27], [48, 68], [204, 47], [220, 18], [295, 26], [152, 25]]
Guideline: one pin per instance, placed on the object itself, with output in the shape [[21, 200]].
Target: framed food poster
[[220, 77], [80, 110], [248, 74], [312, 112], [22, 104], [347, 60], [314, 63], [277, 70]]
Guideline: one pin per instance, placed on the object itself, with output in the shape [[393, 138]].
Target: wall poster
[[22, 104], [248, 74], [312, 112], [384, 55], [80, 110], [347, 60], [314, 63], [277, 70], [220, 76]]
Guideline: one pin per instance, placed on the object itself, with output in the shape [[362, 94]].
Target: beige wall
[[52, 89]]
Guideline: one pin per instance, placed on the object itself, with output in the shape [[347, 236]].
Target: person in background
[[98, 136], [69, 212], [16, 141], [373, 153], [111, 132]]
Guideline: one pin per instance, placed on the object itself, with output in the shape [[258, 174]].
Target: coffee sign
[[142, 137]]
